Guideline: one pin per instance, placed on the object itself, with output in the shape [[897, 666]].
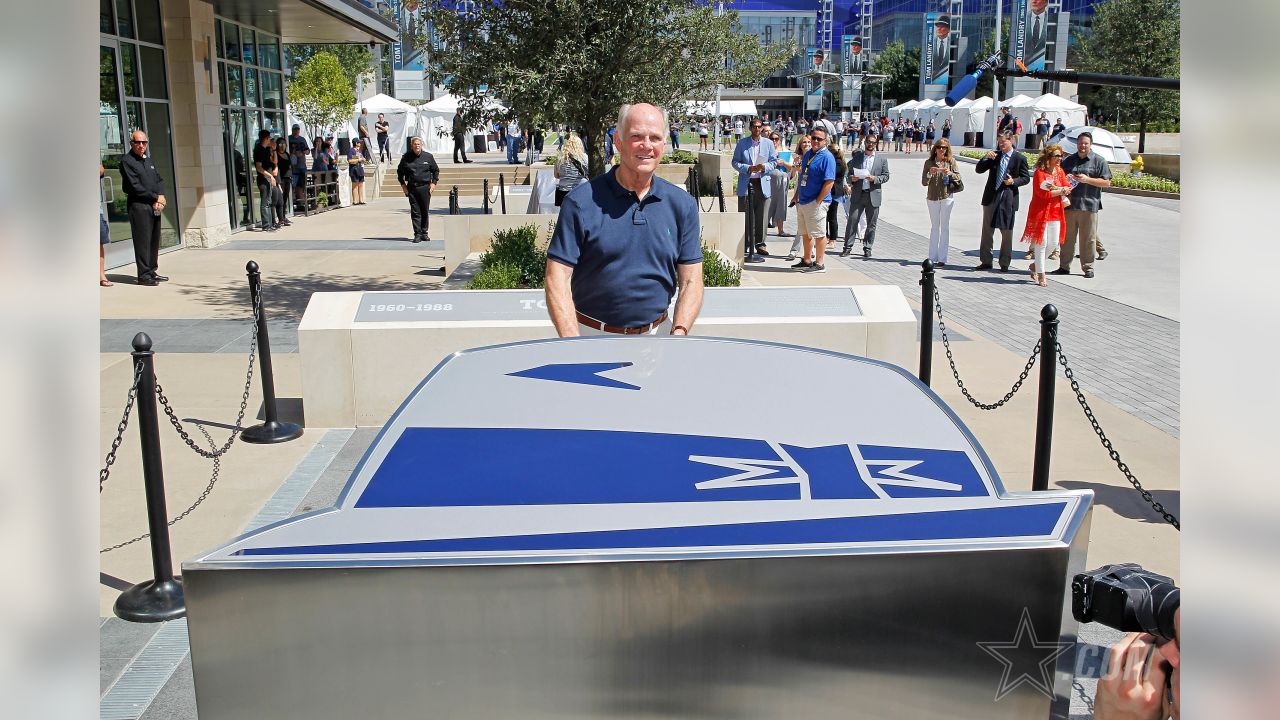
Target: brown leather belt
[[597, 325]]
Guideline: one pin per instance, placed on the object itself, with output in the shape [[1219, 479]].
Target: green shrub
[[517, 248], [1124, 179], [680, 157], [500, 275], [717, 271]]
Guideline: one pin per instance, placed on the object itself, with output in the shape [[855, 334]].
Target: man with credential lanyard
[[625, 242], [812, 197]]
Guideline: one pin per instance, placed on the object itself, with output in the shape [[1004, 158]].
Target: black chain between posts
[[244, 401], [215, 452], [955, 372], [213, 479], [1106, 443], [105, 473], [1075, 388]]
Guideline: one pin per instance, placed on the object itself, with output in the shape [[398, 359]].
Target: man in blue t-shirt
[[812, 197], [625, 242]]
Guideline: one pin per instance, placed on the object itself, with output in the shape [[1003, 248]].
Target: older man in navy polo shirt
[[625, 242]]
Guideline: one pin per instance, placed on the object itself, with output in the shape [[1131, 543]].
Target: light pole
[[989, 127]]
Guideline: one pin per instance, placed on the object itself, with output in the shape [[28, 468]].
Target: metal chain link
[[955, 372], [244, 401], [213, 479], [215, 454], [105, 472], [1106, 443]]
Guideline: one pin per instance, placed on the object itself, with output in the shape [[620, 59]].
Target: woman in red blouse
[[1046, 222]]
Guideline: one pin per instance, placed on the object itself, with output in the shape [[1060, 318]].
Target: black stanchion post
[[502, 192], [485, 202], [161, 598], [720, 193], [926, 321], [1044, 407], [457, 198], [753, 200], [273, 430]]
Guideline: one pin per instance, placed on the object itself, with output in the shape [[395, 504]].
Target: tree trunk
[[1142, 133], [593, 140]]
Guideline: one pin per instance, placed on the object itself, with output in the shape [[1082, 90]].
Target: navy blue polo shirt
[[624, 250]]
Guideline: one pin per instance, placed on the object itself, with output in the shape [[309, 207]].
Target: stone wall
[[200, 164]]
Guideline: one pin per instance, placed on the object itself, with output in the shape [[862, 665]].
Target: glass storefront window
[[231, 40], [268, 51], [133, 111], [250, 78], [153, 82], [250, 87], [161, 151], [149, 23], [129, 69], [106, 18], [247, 48], [275, 123], [124, 18], [235, 89], [272, 97], [132, 67]]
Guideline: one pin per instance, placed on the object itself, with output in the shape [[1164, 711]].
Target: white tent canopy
[[971, 117], [1053, 107], [435, 122], [904, 109], [400, 115], [927, 109], [731, 108], [949, 113]]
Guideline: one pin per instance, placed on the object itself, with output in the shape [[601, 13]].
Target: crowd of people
[[830, 177]]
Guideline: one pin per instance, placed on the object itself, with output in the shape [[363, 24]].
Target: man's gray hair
[[625, 111]]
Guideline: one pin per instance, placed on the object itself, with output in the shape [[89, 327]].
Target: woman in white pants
[[1046, 224], [802, 147], [941, 176]]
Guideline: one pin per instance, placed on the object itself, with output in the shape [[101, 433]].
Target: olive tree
[[320, 94], [578, 61]]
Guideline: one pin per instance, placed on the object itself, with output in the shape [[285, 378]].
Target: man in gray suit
[[867, 172], [754, 158]]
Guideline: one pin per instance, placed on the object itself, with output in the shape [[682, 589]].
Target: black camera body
[[1128, 598]]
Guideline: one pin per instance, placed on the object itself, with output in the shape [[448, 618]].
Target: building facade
[[201, 77], [892, 21]]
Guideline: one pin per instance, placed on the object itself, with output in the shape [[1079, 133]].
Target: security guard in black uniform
[[145, 190], [418, 175]]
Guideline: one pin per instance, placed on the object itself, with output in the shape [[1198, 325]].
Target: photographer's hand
[[1133, 688]]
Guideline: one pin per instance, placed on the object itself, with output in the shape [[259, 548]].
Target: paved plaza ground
[[1119, 329]]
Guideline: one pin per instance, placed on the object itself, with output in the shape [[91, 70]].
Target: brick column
[[199, 159]]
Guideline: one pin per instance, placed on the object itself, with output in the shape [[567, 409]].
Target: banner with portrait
[[1031, 33], [935, 49]]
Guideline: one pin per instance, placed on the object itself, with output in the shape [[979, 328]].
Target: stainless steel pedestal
[[616, 528]]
